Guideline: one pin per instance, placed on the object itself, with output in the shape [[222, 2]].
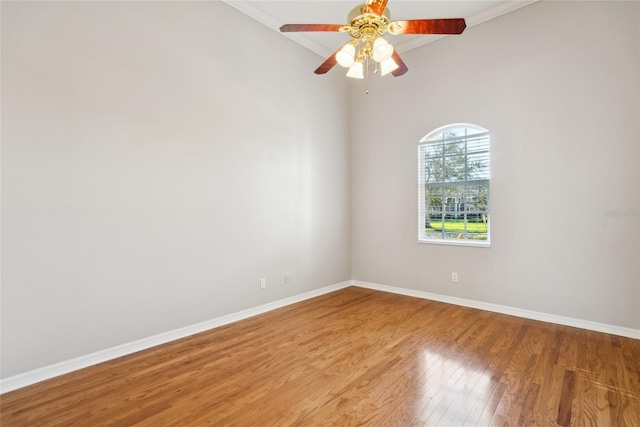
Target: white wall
[[155, 165], [557, 84]]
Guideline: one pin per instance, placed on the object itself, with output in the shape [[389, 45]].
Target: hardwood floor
[[354, 357]]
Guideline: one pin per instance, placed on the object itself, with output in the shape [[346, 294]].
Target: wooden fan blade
[[402, 68], [290, 28], [376, 6], [328, 64], [432, 26]]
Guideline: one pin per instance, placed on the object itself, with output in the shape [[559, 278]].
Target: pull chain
[[367, 76]]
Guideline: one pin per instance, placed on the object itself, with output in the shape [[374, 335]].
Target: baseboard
[[65, 367], [527, 314], [51, 371]]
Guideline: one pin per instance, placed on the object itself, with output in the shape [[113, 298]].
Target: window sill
[[456, 243]]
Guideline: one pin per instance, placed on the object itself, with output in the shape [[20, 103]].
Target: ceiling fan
[[367, 24]]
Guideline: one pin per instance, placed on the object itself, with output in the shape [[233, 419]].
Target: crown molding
[[473, 20], [259, 15], [273, 23]]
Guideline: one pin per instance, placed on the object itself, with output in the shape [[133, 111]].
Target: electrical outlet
[[287, 279], [263, 283], [454, 277]]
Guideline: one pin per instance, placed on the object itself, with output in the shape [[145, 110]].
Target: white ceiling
[[276, 13]]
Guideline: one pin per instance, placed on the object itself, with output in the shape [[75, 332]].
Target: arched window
[[453, 182]]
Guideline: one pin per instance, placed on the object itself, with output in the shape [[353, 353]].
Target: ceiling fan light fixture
[[387, 66], [356, 71], [382, 50], [367, 23], [346, 55]]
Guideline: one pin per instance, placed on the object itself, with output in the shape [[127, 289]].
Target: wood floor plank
[[566, 398], [354, 357]]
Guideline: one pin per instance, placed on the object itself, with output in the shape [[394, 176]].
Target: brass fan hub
[[364, 24]]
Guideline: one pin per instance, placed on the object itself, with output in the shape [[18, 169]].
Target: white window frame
[[437, 137]]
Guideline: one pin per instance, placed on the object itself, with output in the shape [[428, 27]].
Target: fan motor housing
[[363, 23], [361, 10]]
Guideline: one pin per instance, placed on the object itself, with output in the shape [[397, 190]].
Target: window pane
[[453, 133], [454, 212], [478, 226], [454, 168], [433, 150], [433, 212], [478, 166], [477, 198], [454, 202], [480, 144], [434, 170], [454, 148]]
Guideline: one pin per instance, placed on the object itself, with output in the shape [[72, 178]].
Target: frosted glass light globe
[[345, 56], [382, 50]]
